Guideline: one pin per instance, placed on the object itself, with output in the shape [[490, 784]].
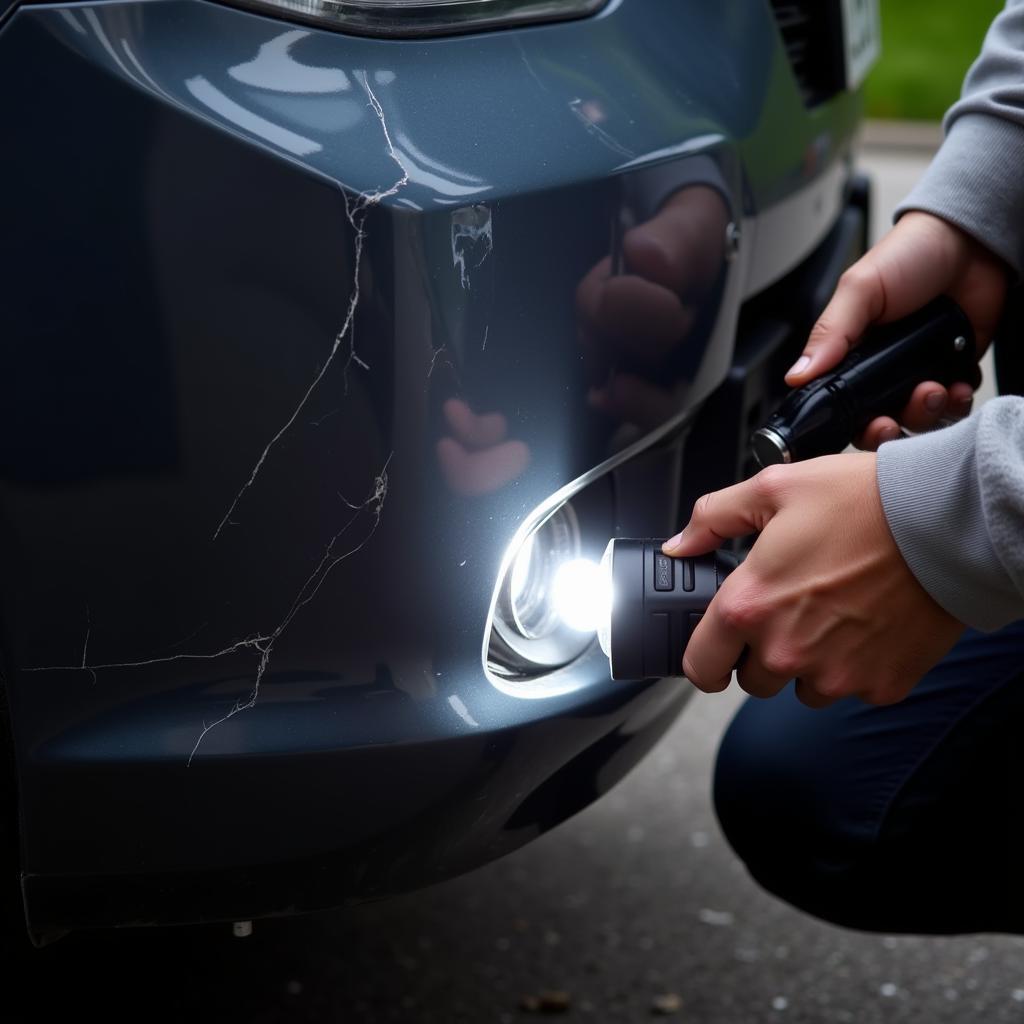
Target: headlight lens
[[531, 583], [551, 598], [425, 17], [529, 632]]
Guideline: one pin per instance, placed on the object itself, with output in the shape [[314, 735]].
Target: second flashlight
[[656, 604]]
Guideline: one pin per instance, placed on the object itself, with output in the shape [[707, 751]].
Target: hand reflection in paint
[[478, 457], [635, 322]]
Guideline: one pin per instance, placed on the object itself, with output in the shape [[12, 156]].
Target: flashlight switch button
[[662, 572]]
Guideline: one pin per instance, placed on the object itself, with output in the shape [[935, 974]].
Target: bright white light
[[582, 595]]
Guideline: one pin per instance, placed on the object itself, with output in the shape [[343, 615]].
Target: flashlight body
[[875, 379], [656, 604]]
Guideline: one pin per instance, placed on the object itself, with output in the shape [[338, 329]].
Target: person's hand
[[921, 258], [646, 313], [670, 263], [824, 595], [477, 457]]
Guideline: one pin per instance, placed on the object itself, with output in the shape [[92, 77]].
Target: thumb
[[858, 301], [732, 512]]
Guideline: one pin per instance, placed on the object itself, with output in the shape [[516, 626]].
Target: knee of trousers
[[790, 815]]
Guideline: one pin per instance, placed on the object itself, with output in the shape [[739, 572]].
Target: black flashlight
[[875, 379], [656, 603]]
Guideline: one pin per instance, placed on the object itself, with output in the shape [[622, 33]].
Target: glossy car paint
[[249, 542]]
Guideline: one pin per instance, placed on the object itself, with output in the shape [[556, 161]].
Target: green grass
[[927, 47]]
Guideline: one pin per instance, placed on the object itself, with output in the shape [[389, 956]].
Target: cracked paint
[[248, 642], [528, 64], [442, 354], [355, 212], [472, 239], [265, 645], [433, 360], [85, 645], [262, 643], [191, 636], [326, 416], [369, 510]]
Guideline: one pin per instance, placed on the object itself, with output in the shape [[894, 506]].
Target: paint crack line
[[355, 212], [263, 643], [309, 589]]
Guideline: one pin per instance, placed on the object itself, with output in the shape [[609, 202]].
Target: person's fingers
[[643, 319], [732, 512], [809, 697], [921, 257], [926, 406], [597, 354], [757, 680], [961, 400], [474, 473], [588, 291], [877, 432], [917, 260], [858, 301], [981, 292], [929, 406], [714, 648], [682, 247], [472, 430], [658, 251]]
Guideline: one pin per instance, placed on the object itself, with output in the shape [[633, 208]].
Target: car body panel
[[251, 266]]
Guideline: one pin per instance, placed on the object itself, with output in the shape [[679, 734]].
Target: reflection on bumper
[[332, 826]]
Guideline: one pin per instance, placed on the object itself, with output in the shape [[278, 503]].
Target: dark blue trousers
[[907, 818]]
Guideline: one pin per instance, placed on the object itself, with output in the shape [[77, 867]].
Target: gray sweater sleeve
[[954, 500], [976, 180]]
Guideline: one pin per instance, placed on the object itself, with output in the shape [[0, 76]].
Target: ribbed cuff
[[932, 501], [976, 182]]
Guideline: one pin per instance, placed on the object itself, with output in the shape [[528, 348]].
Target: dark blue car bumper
[[248, 558]]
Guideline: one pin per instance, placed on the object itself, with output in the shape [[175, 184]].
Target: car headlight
[[550, 598], [526, 616], [424, 17]]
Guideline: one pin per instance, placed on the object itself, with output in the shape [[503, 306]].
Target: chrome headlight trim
[[576, 673]]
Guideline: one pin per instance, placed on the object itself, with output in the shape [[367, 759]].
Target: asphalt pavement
[[633, 910]]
